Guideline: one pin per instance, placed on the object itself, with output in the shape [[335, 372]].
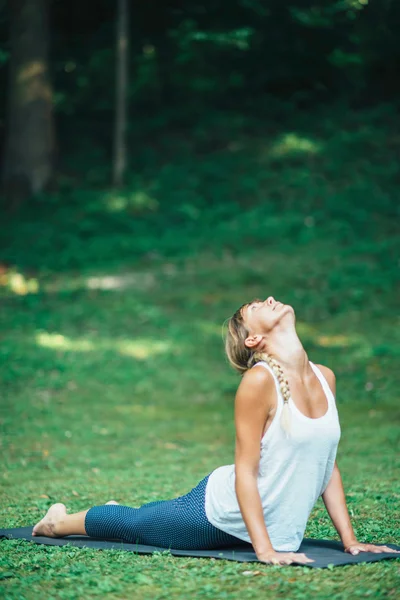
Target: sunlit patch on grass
[[133, 201], [119, 282], [141, 348], [334, 341], [358, 346], [98, 281], [61, 342], [292, 143], [17, 283], [357, 342]]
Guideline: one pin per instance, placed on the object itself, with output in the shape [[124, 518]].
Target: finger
[[303, 561], [297, 556], [306, 558]]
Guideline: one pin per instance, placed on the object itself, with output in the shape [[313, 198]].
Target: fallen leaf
[[75, 493]]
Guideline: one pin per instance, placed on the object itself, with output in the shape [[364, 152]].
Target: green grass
[[115, 385]]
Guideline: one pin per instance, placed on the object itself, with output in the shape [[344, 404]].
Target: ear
[[253, 340]]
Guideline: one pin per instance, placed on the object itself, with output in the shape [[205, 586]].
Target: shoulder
[[255, 384], [329, 376], [255, 398], [257, 377]]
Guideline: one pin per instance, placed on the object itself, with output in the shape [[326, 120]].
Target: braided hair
[[243, 358]]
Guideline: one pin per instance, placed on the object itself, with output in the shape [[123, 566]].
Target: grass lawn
[[115, 385]]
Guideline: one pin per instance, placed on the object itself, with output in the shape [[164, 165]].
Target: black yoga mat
[[323, 552]]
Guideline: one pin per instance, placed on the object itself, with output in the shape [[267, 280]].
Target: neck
[[286, 347]]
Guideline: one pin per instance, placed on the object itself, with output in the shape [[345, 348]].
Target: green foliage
[[216, 54], [251, 184]]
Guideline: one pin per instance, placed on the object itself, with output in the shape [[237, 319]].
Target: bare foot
[[47, 526], [112, 502]]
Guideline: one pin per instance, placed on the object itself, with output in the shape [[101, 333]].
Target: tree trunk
[[27, 166], [121, 93]]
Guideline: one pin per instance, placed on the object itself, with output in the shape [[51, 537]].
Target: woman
[[284, 459]]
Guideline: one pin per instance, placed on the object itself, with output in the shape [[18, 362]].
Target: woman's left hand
[[357, 547]]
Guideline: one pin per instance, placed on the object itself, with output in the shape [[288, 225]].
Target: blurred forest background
[[196, 111], [162, 162]]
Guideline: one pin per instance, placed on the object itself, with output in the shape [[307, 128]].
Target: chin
[[287, 308]]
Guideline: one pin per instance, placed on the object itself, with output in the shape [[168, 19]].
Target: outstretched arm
[[335, 503], [335, 500], [333, 497]]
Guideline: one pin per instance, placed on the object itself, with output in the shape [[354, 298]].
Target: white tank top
[[293, 473]]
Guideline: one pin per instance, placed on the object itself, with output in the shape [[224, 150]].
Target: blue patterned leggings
[[180, 523]]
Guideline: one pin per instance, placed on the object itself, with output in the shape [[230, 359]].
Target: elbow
[[246, 472], [246, 484]]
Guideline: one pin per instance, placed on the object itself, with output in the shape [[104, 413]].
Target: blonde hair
[[243, 358]]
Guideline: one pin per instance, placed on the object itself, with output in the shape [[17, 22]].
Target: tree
[[121, 93], [28, 152]]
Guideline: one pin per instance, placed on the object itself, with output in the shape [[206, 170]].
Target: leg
[[56, 523], [72, 524], [180, 523]]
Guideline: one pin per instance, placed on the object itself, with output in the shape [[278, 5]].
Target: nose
[[270, 300]]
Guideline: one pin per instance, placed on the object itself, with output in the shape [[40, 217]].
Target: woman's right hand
[[283, 558]]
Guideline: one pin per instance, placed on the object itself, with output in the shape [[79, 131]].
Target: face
[[260, 317]]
